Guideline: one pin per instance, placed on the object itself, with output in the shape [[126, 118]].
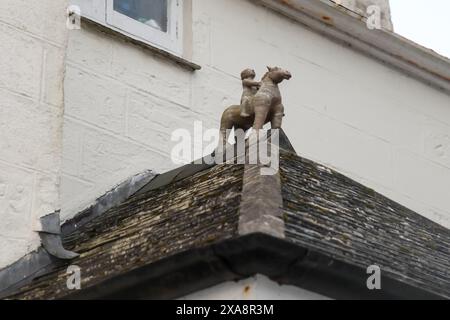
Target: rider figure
[[250, 87]]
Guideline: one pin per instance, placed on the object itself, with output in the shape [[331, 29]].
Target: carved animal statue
[[266, 106]]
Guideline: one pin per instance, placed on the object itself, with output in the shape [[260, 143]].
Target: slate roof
[[330, 213], [200, 225]]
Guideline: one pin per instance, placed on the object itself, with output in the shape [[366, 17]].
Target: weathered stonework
[[261, 203]]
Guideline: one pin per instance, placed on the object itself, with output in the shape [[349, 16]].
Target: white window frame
[[102, 11]]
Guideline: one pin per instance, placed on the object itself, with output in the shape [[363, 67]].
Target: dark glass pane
[[150, 12]]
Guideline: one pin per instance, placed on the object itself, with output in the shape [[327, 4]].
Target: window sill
[[161, 52]]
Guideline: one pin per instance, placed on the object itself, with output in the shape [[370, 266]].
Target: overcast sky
[[426, 22]]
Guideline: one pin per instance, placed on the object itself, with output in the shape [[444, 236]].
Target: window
[[157, 22], [151, 13]]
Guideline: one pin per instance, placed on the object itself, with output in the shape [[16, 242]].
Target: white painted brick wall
[[345, 110], [32, 45]]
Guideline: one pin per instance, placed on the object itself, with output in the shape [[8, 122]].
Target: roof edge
[[27, 268], [243, 257], [342, 25]]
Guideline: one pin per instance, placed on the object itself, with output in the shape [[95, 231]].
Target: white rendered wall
[[343, 109], [258, 287], [33, 38]]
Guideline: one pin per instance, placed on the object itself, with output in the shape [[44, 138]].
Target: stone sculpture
[[263, 106], [249, 89]]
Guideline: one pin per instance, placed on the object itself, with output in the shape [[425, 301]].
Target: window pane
[[149, 12]]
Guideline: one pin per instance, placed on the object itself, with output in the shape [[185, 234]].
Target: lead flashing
[[50, 235]]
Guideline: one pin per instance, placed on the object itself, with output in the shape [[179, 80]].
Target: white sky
[[426, 22]]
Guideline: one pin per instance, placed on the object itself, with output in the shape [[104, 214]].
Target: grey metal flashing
[[52, 243], [50, 234], [50, 254], [347, 27], [186, 171], [284, 143], [174, 175], [110, 199], [51, 223], [24, 270]]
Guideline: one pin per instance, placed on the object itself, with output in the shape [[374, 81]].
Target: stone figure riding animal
[[265, 106]]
